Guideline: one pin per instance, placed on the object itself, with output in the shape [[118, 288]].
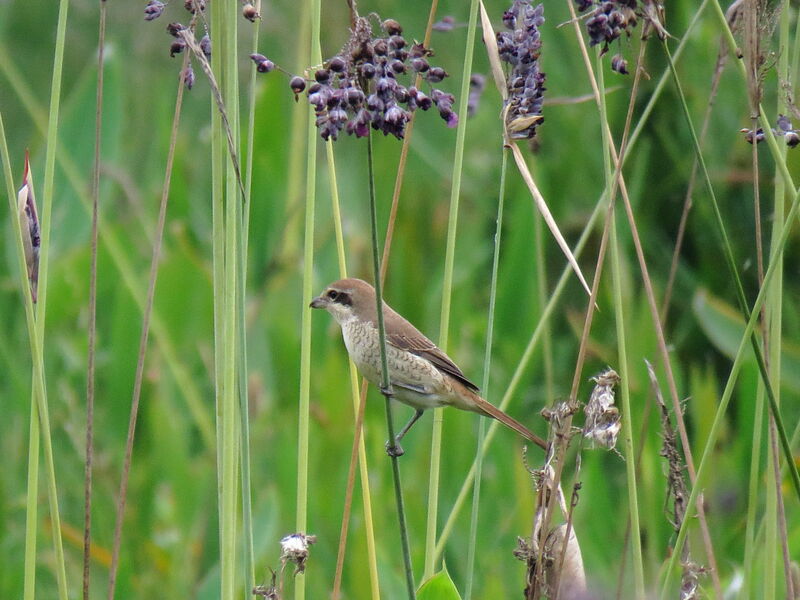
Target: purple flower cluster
[[362, 86], [520, 47], [609, 19]]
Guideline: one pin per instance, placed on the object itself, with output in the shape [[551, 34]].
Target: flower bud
[[298, 84], [250, 13], [392, 27]]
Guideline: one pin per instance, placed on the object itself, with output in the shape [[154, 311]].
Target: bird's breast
[[415, 380]]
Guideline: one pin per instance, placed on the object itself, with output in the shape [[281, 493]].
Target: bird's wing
[[423, 347]]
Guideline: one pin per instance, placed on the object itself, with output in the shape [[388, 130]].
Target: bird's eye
[[333, 294]]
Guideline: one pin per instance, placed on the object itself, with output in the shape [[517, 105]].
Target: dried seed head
[[619, 64], [298, 84], [435, 74], [194, 5], [263, 64], [188, 76], [750, 136], [380, 47], [392, 27], [792, 139], [602, 416], [250, 13], [153, 10], [337, 64], [294, 549], [177, 47], [205, 46], [174, 29]]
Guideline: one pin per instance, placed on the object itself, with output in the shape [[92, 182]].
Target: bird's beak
[[319, 302]]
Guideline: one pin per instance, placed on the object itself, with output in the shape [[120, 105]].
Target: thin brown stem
[[92, 333], [137, 386], [348, 497]]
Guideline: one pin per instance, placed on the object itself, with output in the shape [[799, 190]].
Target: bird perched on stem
[[421, 375]]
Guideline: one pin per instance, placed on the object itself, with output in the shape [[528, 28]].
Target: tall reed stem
[[305, 340], [487, 363], [447, 288], [386, 384]]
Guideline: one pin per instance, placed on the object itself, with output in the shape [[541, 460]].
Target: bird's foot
[[394, 449], [387, 391]]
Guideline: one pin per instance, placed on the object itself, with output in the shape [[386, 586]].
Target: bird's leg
[[396, 449]]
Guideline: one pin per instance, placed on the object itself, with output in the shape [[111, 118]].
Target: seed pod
[[436, 74], [322, 75], [177, 47], [194, 5], [250, 13], [392, 27], [188, 77], [619, 64], [174, 29], [337, 64], [153, 10], [298, 84], [205, 46]]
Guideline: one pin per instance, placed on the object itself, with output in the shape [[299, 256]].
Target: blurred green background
[[170, 541]]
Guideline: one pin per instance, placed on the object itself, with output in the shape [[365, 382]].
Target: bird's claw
[[387, 391], [394, 449]]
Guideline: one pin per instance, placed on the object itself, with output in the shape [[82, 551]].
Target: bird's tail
[[491, 410]]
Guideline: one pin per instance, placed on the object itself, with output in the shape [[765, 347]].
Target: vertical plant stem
[[234, 246], [619, 317], [92, 329], [38, 391], [41, 307], [487, 362], [244, 407], [447, 288], [358, 443], [137, 384], [386, 384], [305, 339]]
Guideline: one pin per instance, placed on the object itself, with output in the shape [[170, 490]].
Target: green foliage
[[170, 544], [438, 587]]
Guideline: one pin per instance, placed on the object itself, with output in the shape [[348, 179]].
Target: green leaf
[[724, 326], [438, 587]]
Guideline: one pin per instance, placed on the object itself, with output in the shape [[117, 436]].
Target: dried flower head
[[294, 549], [520, 47], [365, 85], [602, 416], [619, 64]]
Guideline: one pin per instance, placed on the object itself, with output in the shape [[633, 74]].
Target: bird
[[420, 374]]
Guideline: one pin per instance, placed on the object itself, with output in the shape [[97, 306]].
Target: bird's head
[[347, 299]]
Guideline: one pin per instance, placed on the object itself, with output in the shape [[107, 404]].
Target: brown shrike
[[421, 375]]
